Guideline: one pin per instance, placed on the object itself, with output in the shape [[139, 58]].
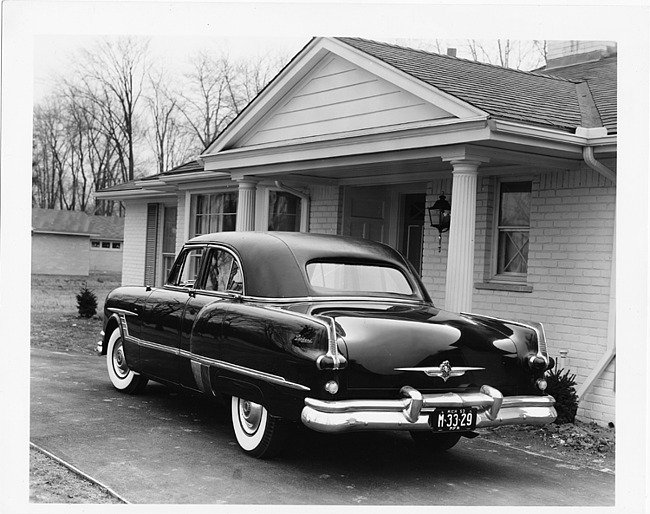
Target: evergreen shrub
[[561, 386], [86, 302]]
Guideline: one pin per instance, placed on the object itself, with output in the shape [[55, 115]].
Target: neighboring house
[[358, 137], [106, 243], [74, 243]]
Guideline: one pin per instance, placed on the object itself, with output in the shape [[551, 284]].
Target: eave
[[132, 194], [436, 140]]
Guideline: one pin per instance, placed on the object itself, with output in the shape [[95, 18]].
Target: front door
[[412, 228], [366, 213]]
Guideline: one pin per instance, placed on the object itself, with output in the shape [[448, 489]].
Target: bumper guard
[[411, 412]]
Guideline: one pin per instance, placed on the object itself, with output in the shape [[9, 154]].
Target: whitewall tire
[[122, 377], [258, 433]]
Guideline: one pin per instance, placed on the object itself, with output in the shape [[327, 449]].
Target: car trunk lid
[[425, 348]]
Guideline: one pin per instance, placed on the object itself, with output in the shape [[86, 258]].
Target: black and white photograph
[[323, 255]]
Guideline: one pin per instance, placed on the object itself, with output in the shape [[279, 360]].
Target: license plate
[[450, 420]]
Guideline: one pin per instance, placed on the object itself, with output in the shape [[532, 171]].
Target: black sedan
[[333, 332]]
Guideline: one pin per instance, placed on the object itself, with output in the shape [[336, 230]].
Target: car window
[[186, 268], [223, 273], [357, 278]]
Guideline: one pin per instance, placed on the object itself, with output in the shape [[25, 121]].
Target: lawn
[[55, 320]]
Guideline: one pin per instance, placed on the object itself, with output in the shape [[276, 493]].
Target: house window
[[106, 244], [168, 249], [284, 211], [215, 212], [116, 246], [94, 244], [513, 231]]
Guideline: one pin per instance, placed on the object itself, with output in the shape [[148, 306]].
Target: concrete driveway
[[163, 447]]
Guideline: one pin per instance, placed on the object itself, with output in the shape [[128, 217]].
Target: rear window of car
[[340, 277]]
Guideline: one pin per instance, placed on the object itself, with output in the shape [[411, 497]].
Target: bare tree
[[521, 55], [51, 148], [167, 137], [203, 99], [111, 76], [219, 88]]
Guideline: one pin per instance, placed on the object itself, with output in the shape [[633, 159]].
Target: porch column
[[460, 260], [246, 205]]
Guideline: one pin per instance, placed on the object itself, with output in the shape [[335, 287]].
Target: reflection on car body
[[333, 332]]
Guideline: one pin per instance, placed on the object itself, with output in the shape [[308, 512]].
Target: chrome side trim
[[249, 372], [324, 299], [121, 312], [201, 373], [157, 346]]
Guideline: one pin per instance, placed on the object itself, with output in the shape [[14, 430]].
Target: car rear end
[[417, 368]]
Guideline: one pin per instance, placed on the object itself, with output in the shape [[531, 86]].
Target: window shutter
[[151, 246]]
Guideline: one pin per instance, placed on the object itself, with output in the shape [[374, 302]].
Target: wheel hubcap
[[250, 415], [119, 361]]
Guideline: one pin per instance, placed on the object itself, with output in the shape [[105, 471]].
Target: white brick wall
[[325, 209], [434, 262], [570, 255], [135, 229]]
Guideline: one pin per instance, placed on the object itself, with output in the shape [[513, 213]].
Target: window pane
[[357, 278], [513, 252], [223, 273], [186, 268], [515, 204], [284, 211], [169, 230], [214, 213]]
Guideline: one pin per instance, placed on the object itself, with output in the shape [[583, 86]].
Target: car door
[[163, 313], [202, 329]]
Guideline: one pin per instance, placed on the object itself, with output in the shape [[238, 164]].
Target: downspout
[[305, 204], [610, 353]]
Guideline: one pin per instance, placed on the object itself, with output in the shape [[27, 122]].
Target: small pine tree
[[86, 302], [561, 386]]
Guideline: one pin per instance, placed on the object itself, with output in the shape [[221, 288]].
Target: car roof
[[274, 262]]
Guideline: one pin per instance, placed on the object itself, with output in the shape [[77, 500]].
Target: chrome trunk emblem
[[444, 371]]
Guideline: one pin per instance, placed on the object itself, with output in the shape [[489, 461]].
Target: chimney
[[451, 52]]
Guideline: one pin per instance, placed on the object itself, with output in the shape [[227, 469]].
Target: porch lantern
[[440, 216]]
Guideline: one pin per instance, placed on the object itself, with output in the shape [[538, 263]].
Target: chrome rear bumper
[[412, 411]]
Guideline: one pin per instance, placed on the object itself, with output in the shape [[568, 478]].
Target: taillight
[[538, 363], [333, 358]]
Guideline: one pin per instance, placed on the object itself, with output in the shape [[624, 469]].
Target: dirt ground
[[56, 325]]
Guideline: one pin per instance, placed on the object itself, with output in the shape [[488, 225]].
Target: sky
[[53, 54], [29, 24]]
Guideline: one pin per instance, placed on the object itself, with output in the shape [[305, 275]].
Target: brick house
[[358, 137], [75, 243]]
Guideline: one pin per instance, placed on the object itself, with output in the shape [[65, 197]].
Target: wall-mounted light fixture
[[440, 216]]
